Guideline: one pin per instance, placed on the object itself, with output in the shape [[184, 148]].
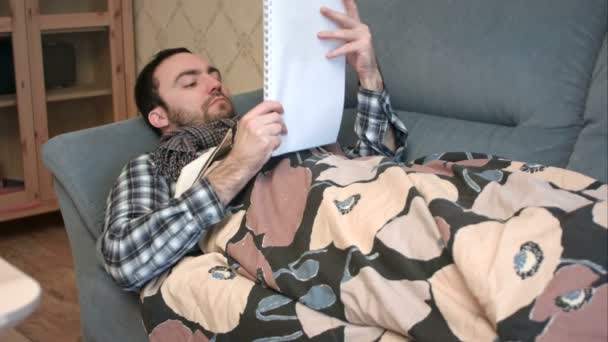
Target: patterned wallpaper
[[228, 33]]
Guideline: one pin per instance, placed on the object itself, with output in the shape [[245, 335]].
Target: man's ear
[[158, 118]]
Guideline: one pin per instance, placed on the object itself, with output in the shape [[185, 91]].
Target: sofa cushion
[[505, 62], [591, 149], [430, 134], [504, 77], [511, 63]]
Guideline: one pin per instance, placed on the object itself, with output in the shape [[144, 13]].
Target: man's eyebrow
[[189, 72], [212, 69]]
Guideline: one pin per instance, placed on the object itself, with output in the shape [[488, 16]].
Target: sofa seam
[[588, 93]]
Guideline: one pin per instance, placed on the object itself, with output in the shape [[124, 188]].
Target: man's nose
[[213, 85]]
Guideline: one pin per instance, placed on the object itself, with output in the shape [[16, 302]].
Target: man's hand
[[357, 45], [258, 134]]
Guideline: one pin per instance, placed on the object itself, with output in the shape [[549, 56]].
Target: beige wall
[[226, 32]]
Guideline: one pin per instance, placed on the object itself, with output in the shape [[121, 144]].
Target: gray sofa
[[522, 79]]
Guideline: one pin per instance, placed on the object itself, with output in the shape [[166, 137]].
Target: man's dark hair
[[146, 86]]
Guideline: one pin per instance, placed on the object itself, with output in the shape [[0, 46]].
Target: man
[[147, 231]]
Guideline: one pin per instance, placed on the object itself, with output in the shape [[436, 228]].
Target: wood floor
[[39, 247]]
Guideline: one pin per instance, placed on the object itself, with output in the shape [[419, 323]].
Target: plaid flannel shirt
[[374, 117], [147, 230]]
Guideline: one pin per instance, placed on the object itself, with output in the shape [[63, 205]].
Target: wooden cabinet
[[73, 65]]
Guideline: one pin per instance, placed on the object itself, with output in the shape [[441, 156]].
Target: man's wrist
[[237, 168], [228, 179], [372, 82]]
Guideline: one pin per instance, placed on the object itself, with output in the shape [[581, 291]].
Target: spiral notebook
[[299, 76]]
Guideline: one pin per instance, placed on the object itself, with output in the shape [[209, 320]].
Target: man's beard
[[225, 109], [184, 118]]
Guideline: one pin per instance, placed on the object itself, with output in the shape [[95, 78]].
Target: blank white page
[[299, 76]]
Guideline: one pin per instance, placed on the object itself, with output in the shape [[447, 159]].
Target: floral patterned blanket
[[453, 247]]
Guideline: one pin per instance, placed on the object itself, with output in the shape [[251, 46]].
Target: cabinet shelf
[[8, 197], [9, 100], [6, 24], [77, 92], [74, 21], [11, 190]]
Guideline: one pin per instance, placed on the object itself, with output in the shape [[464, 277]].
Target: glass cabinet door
[[18, 165], [77, 77], [65, 65]]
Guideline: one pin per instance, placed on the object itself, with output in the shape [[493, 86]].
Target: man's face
[[192, 91]]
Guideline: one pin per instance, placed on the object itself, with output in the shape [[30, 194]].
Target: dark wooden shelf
[[8, 100], [77, 92], [74, 21]]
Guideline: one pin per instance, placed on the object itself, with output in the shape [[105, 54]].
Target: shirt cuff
[[372, 93], [204, 204]]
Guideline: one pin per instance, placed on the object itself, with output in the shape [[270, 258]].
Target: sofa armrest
[[87, 162], [107, 313]]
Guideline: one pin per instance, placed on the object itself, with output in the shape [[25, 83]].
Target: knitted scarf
[[180, 147]]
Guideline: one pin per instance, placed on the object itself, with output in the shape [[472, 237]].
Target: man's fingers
[[274, 129], [344, 49], [264, 108], [277, 127], [271, 106], [270, 118], [351, 9], [275, 142], [267, 124], [346, 35], [341, 19]]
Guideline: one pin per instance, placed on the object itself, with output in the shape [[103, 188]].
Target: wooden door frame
[[41, 131], [115, 41], [129, 56]]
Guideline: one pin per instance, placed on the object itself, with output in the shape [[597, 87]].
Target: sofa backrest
[[523, 79], [506, 77]]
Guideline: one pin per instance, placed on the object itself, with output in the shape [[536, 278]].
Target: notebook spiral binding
[[267, 22]]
